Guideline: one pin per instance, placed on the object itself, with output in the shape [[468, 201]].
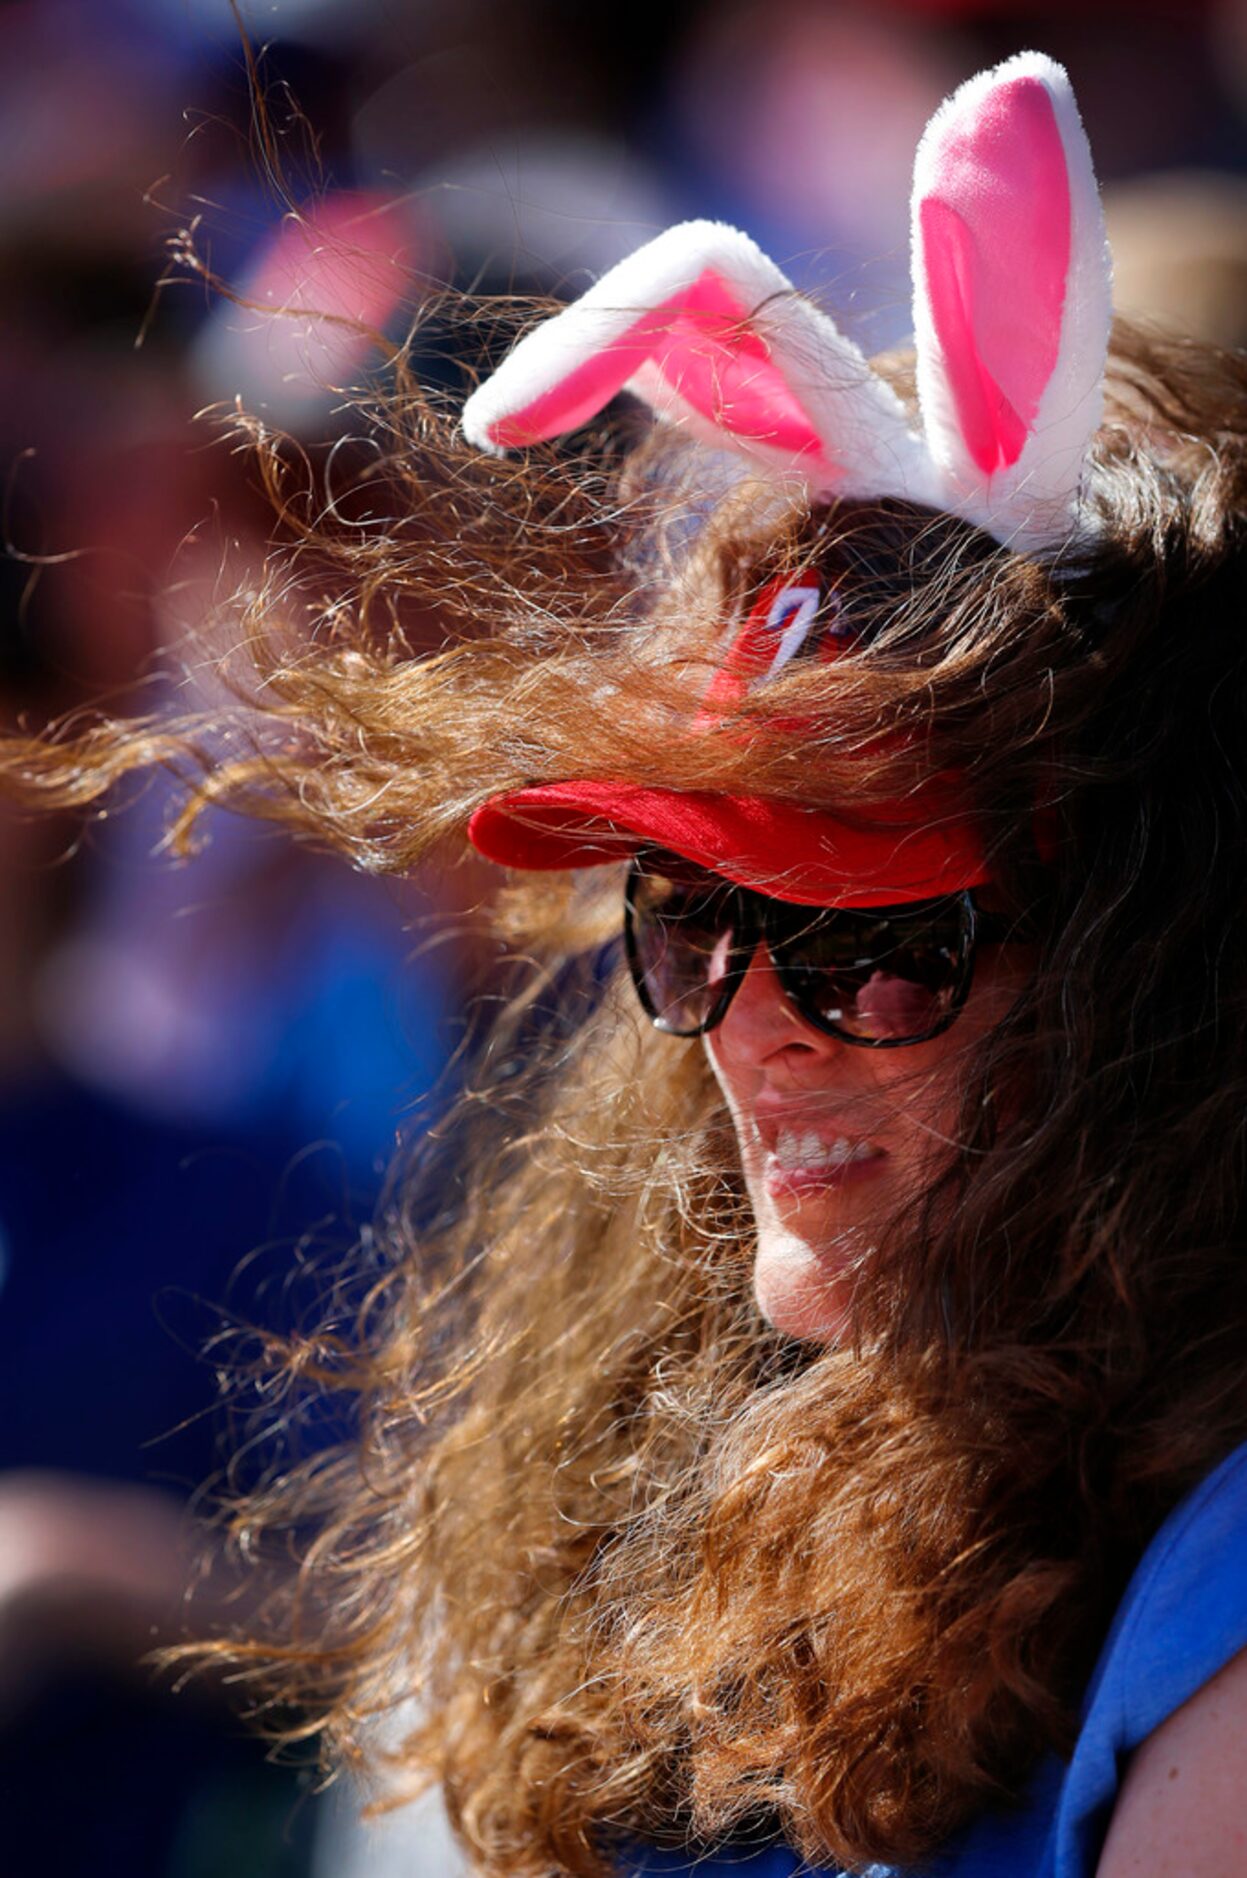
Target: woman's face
[[834, 1138]]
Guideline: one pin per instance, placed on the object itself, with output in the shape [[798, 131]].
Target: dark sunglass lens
[[893, 976], [682, 928]]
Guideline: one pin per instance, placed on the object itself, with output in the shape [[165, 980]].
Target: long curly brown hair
[[648, 1569]]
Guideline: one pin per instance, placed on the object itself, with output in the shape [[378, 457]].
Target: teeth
[[805, 1150]]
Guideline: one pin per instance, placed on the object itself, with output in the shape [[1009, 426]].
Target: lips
[[806, 1160], [806, 1149]]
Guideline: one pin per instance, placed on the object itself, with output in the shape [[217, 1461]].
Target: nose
[[762, 1026]]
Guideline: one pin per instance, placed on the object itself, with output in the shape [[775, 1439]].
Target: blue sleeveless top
[[1183, 1617]]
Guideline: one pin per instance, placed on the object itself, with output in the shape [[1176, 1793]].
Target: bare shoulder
[[1183, 1802]]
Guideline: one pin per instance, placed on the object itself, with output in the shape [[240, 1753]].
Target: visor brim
[[887, 857]]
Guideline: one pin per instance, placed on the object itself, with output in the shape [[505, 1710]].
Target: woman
[[809, 1421]]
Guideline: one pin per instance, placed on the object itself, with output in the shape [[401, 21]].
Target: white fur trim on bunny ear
[[708, 331], [1012, 299]]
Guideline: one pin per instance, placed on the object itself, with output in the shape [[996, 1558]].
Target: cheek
[[736, 1083], [929, 1082]]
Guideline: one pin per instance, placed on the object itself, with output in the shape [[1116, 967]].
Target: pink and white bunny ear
[[1012, 299], [709, 332]]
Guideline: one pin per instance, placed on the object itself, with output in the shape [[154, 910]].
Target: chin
[[802, 1292]]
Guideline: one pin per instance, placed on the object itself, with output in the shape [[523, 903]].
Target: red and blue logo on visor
[[791, 619]]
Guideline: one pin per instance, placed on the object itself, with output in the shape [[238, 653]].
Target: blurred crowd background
[[202, 1069]]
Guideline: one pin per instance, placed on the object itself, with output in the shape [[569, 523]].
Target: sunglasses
[[881, 977]]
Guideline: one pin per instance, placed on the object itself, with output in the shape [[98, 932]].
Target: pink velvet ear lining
[[995, 231], [703, 343]]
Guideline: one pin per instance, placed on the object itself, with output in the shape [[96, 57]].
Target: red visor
[[887, 855], [778, 848]]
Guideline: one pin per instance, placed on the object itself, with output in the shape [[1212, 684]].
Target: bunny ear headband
[[1011, 322]]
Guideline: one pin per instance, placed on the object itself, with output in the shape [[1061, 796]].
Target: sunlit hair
[[646, 1568]]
